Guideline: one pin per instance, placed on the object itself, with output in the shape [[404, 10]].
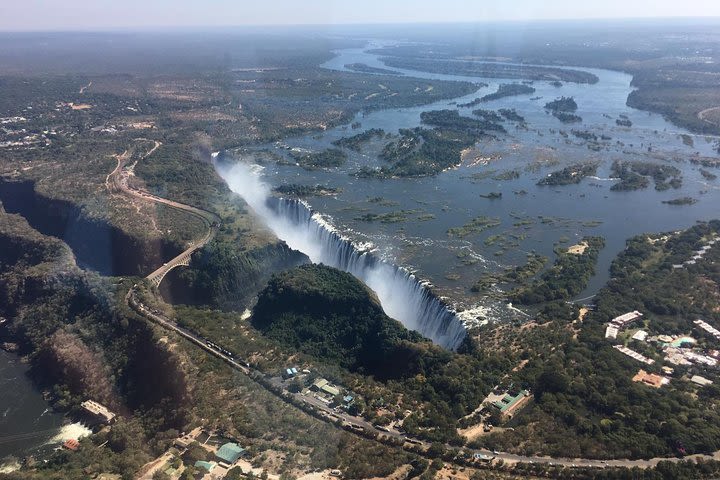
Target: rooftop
[[98, 410], [206, 465], [230, 452], [651, 379], [508, 402]]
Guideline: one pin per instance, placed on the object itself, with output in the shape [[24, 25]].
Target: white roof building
[[640, 335], [626, 318], [611, 332], [702, 381]]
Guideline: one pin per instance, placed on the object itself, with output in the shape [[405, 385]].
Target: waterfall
[[400, 293]]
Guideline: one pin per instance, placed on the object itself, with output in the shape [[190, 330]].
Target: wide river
[[533, 218]]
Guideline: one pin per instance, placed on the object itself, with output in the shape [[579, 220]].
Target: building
[[348, 400], [508, 403], [635, 355], [611, 332], [708, 328], [702, 381], [330, 390], [98, 411], [319, 384], [229, 453], [626, 318], [640, 335], [651, 379], [207, 466], [71, 444], [322, 385]]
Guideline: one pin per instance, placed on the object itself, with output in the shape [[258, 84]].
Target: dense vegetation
[[508, 90], [511, 114], [356, 141], [681, 201], [332, 157], [329, 314], [333, 317], [566, 117], [562, 104], [488, 70], [633, 176], [586, 403], [570, 175], [488, 115], [364, 68], [83, 343], [567, 277], [226, 277], [301, 191], [451, 119]]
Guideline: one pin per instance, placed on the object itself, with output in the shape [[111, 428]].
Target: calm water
[[26, 421], [453, 198]]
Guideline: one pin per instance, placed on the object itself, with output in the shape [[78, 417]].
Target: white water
[[400, 293], [74, 431]]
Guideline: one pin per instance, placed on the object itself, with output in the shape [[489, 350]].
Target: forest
[[567, 277]]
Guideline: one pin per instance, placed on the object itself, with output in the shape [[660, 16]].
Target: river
[[533, 218], [28, 425]]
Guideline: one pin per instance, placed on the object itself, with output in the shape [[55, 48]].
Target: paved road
[[117, 181]]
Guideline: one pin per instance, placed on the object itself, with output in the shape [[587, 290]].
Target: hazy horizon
[[79, 15]]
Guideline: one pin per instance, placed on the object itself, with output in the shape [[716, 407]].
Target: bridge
[[117, 182]]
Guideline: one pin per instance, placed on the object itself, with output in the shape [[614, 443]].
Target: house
[[508, 403], [229, 453], [207, 466], [322, 385], [330, 390], [71, 444], [651, 379], [319, 384]]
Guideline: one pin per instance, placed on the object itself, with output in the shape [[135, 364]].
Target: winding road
[[117, 181]]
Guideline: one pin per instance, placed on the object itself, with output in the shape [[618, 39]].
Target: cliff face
[[227, 278], [97, 244], [81, 339]]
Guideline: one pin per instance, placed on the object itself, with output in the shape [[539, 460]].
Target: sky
[[24, 15]]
